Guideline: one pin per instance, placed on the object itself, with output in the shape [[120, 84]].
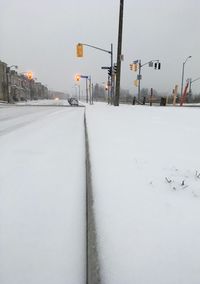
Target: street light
[[190, 86], [183, 70]]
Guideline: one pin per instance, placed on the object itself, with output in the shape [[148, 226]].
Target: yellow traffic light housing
[[79, 50], [135, 65]]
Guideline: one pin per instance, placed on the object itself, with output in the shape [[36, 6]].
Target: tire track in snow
[[92, 260], [24, 119]]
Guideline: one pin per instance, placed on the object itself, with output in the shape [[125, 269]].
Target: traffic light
[[131, 67], [30, 75], [115, 68], [77, 77], [79, 50], [135, 65], [157, 65], [110, 71]]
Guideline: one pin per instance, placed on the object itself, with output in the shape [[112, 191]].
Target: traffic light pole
[[140, 76], [89, 95], [79, 92], [90, 90], [111, 56]]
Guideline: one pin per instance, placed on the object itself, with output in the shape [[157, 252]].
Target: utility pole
[[139, 79], [86, 89], [112, 75], [119, 49]]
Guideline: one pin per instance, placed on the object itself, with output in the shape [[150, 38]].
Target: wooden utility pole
[[119, 50]]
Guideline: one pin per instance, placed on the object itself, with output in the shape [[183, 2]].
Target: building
[[15, 87], [3, 82]]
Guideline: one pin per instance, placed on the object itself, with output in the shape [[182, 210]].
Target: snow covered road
[[42, 195]]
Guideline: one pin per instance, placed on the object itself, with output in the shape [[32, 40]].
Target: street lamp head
[[187, 58]]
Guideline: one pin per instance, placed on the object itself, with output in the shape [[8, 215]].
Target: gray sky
[[41, 35]]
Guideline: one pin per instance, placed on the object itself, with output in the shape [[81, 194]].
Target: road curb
[[92, 259]]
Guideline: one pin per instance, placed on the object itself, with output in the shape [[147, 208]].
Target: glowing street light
[[77, 77], [30, 75]]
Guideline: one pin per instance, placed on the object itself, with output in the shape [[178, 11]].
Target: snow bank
[[146, 180], [54, 102]]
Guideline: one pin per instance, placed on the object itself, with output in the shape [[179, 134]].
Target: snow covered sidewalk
[[42, 198], [146, 182]]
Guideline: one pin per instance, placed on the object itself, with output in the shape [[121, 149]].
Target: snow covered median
[[146, 182]]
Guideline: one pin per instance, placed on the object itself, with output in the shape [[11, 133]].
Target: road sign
[[84, 77], [139, 77], [150, 63], [105, 67]]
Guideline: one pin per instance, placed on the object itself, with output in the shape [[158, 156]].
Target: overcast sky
[[41, 35]]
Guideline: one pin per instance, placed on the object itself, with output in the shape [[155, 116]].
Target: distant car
[[73, 101]]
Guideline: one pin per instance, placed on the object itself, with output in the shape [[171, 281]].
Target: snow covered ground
[[42, 195], [146, 181]]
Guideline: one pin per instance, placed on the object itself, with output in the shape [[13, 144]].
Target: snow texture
[[42, 195], [146, 182]]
